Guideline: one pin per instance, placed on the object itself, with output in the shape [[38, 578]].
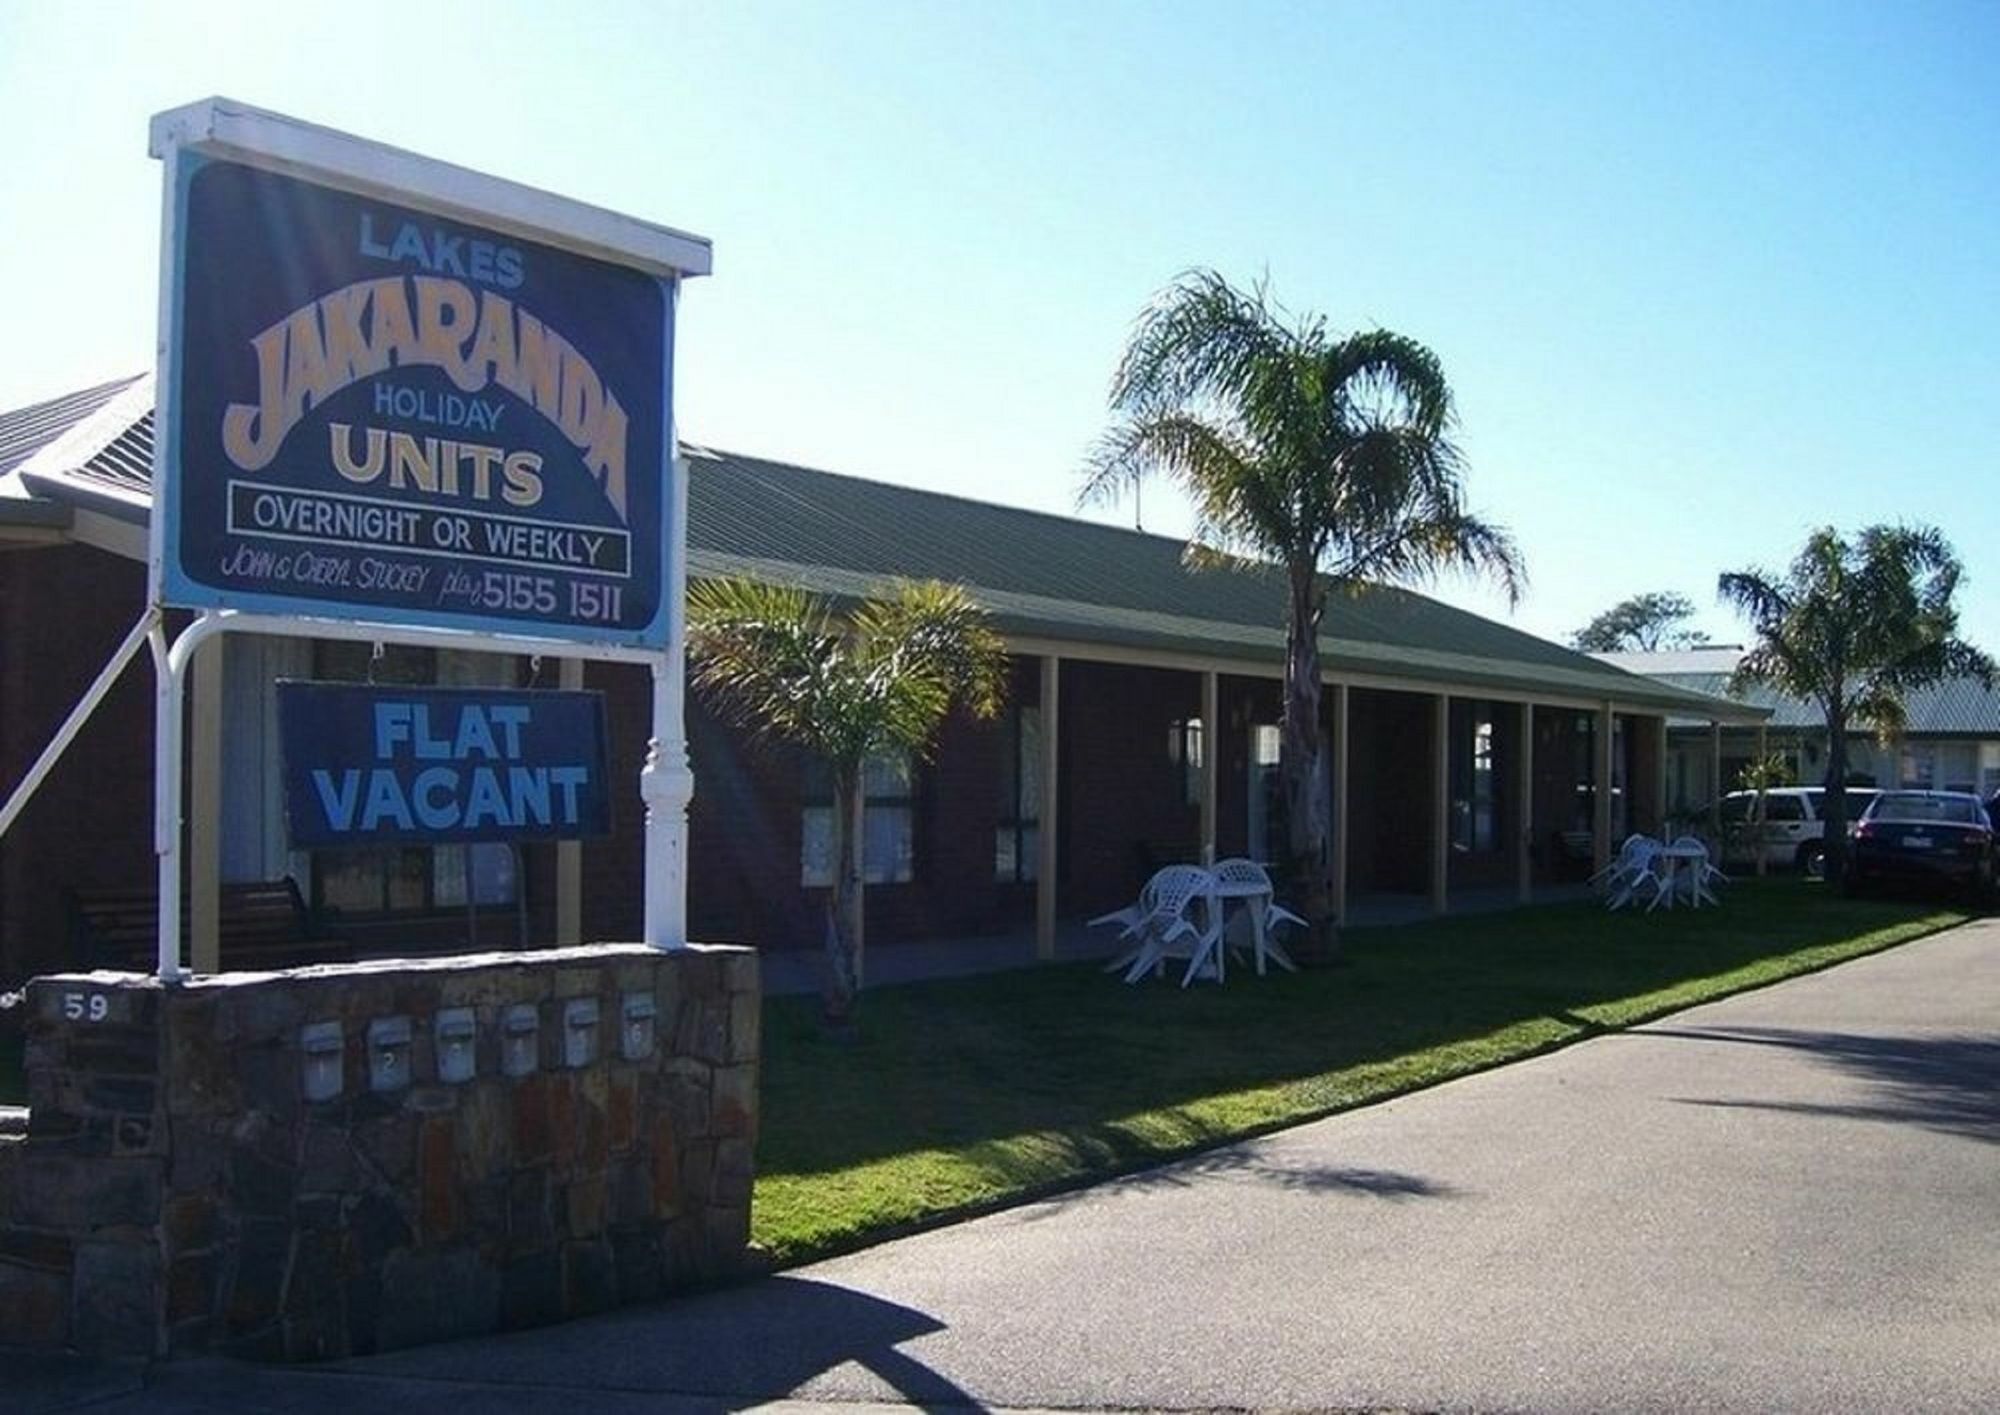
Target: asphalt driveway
[[1786, 1201]]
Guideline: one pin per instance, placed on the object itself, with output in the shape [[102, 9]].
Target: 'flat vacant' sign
[[368, 765]]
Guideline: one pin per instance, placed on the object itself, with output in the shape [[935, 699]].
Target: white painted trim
[[205, 809], [108, 533], [223, 127]]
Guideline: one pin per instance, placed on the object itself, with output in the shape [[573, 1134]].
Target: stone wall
[[337, 1160]]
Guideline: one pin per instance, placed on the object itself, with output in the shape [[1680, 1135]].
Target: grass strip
[[966, 1095]]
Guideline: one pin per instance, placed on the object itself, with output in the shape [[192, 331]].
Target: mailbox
[[456, 1039], [579, 1038], [521, 1040], [639, 1026], [321, 1052], [388, 1053]]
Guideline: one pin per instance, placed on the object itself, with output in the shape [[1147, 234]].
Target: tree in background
[[1855, 626], [1645, 623], [1762, 776], [1326, 455], [844, 687]]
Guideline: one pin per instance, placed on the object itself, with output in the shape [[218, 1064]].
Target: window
[[1784, 808], [888, 830], [1473, 797], [411, 879], [1989, 768], [1958, 766], [1017, 836], [1184, 751]]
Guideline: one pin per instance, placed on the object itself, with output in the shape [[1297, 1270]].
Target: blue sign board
[[376, 413], [369, 765]]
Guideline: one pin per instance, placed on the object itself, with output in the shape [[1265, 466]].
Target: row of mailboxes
[[455, 1037]]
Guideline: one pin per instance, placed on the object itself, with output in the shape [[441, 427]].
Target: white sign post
[[404, 402]]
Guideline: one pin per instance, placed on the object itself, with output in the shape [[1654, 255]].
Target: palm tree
[[1854, 627], [844, 687], [1327, 456]]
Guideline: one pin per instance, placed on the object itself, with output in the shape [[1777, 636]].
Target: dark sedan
[[1923, 837]]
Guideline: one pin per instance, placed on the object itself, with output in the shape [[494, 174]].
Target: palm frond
[[1200, 338], [781, 662]]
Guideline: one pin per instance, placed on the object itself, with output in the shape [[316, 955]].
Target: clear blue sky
[[1703, 275]]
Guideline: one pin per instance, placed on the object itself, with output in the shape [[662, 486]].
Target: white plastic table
[[1256, 898], [1690, 858]]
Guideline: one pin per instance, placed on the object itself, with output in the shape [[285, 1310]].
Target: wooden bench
[[261, 924], [1574, 854]]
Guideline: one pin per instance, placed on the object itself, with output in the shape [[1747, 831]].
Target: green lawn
[[969, 1094]]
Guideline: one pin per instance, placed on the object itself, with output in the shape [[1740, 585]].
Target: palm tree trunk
[[843, 930], [1302, 769], [1833, 836]]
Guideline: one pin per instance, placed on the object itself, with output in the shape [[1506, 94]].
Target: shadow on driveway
[[1948, 1083], [1249, 1164], [733, 1348]]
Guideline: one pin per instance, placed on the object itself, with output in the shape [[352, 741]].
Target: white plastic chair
[[1129, 919], [1264, 910], [1637, 874], [1170, 931], [1612, 875]]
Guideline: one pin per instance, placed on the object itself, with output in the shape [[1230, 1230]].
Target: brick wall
[[63, 611], [183, 1184], [1123, 806]]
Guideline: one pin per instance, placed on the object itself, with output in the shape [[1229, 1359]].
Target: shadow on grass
[[1013, 1069], [1949, 1084]]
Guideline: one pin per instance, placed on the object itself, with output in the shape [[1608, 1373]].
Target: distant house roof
[[1958, 707], [1045, 578]]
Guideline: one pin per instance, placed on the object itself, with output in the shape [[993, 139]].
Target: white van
[[1789, 831]]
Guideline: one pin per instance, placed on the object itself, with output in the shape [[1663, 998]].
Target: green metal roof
[[1082, 582], [1959, 707], [1042, 576]]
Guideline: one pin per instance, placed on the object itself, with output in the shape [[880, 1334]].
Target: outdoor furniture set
[[1184, 911], [1659, 875]]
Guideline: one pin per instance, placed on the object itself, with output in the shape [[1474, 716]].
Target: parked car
[[1924, 837], [1789, 829]]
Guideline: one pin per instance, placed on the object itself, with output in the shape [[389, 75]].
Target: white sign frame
[[218, 127]]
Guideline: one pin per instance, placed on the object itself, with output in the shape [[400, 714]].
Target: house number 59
[[86, 1007]]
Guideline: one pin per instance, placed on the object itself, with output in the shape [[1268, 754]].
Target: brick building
[[1467, 757]]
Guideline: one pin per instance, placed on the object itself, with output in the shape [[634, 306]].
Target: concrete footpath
[[1789, 1201]]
